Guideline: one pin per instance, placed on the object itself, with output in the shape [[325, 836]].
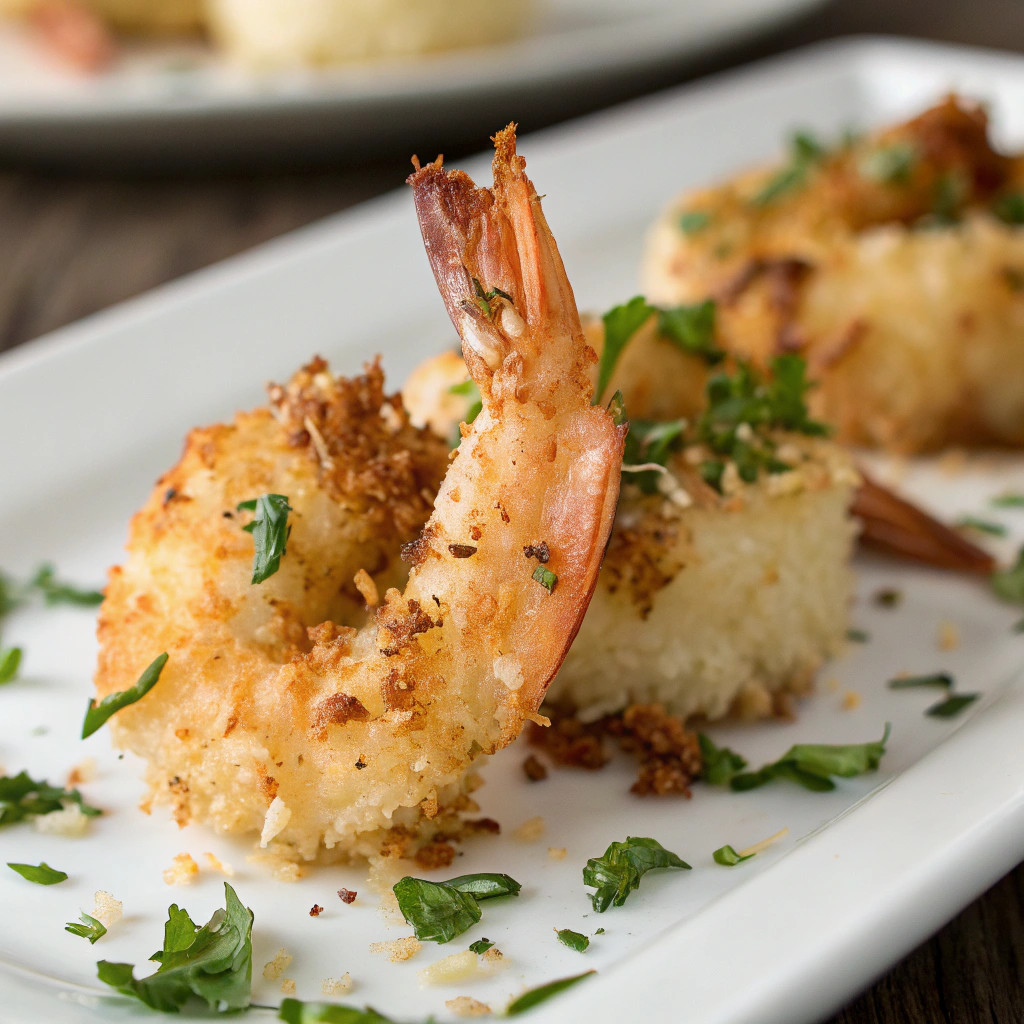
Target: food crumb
[[287, 987], [534, 770], [71, 822], [530, 831], [281, 868], [216, 864], [457, 967], [106, 909], [84, 771], [832, 685], [276, 967], [337, 986], [493, 959], [398, 950], [467, 1006], [557, 852], [347, 895], [367, 588], [949, 636], [851, 700], [316, 910], [183, 870]]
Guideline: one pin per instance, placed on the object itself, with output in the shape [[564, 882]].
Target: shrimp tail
[[543, 464]]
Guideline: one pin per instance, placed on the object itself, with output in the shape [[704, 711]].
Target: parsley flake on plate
[[858, 636], [294, 1011], [618, 871], [41, 874], [96, 715], [574, 940], [269, 530], [720, 764], [10, 662], [213, 963], [943, 679], [480, 946], [534, 996], [1009, 583], [814, 765], [981, 525], [56, 591], [439, 911], [89, 928], [22, 797], [952, 705], [1010, 499], [728, 857]]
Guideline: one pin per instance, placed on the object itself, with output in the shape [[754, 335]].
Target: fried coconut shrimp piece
[[274, 715], [893, 263]]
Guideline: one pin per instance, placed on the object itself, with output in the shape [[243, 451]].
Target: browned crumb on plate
[[347, 895], [669, 753], [316, 910], [534, 770]]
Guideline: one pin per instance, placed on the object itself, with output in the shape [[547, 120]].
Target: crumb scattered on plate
[[183, 870], [276, 967], [530, 831], [397, 950]]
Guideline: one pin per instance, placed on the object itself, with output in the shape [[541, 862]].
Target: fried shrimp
[[893, 263], [274, 714]]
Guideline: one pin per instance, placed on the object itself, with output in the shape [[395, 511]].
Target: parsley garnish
[[480, 946], [950, 194], [10, 661], [55, 591], [692, 329], [1008, 500], [41, 874], [692, 222], [472, 392], [574, 940], [649, 441], [618, 872], [531, 998], [438, 911], [858, 636], [620, 324], [952, 705], [813, 765], [1010, 208], [484, 299], [728, 857], [1009, 583], [982, 525], [96, 715], [545, 577], [720, 763], [805, 153], [943, 679], [294, 1011], [890, 165], [213, 963], [22, 797], [90, 928], [888, 597], [270, 531]]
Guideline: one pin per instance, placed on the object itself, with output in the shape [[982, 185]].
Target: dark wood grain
[[71, 245]]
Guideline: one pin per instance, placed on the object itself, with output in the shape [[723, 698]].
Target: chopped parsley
[[952, 705], [1010, 208], [720, 763], [480, 946], [692, 222], [10, 662], [943, 679], [294, 1011], [574, 940], [620, 324], [22, 797], [857, 636], [1009, 583], [728, 857], [270, 531], [89, 928], [1010, 499], [545, 577], [55, 591], [650, 442], [814, 765], [618, 871], [743, 405], [483, 299], [96, 715], [41, 874], [469, 389], [1018, 627], [534, 996], [982, 525], [439, 911], [692, 329], [805, 152], [213, 963], [949, 196], [890, 165], [888, 597]]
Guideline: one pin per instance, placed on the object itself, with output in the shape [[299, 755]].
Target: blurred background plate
[[175, 104]]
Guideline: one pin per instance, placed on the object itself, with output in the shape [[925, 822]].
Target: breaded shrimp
[[893, 263], [273, 714]]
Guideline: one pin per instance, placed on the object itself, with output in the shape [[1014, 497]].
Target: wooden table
[[70, 245]]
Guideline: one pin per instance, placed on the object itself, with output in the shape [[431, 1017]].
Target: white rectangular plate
[[94, 413]]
